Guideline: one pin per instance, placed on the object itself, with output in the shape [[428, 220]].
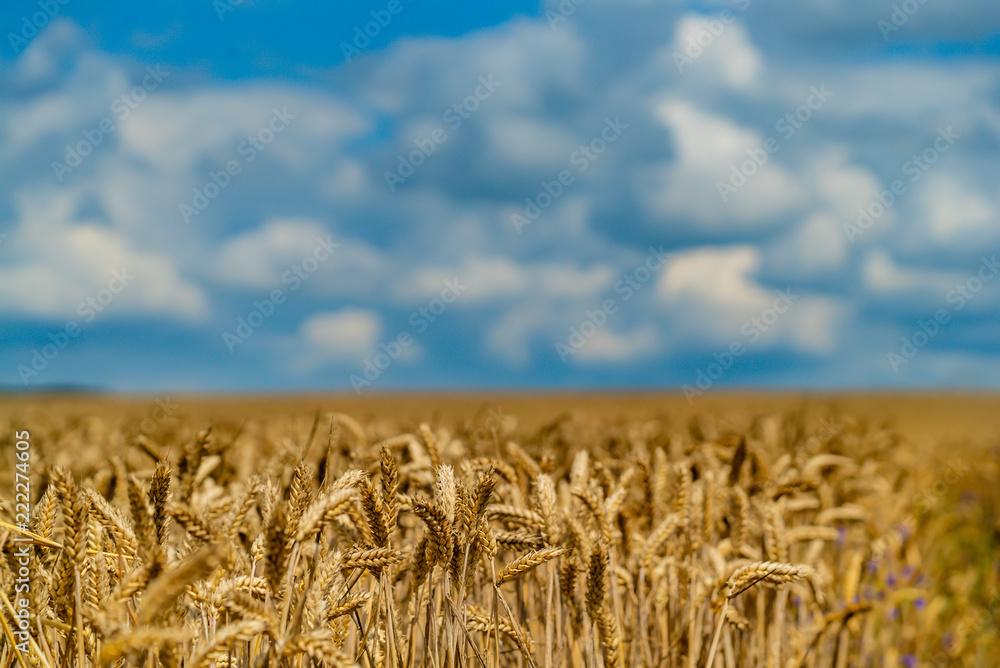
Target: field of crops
[[533, 532]]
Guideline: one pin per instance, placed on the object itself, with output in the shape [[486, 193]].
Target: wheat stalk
[[526, 562]]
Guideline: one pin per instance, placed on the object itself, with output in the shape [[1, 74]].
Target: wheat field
[[230, 534]]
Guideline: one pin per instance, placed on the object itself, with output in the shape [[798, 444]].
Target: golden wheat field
[[526, 531]]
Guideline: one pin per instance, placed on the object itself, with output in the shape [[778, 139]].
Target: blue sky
[[258, 196]]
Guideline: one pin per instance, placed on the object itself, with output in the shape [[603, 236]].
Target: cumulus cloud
[[956, 214], [717, 279], [812, 250], [883, 275], [258, 258], [345, 336], [60, 261], [491, 279], [323, 176], [708, 148], [609, 346], [729, 58]]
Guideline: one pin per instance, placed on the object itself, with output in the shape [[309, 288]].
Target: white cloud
[[257, 258], [67, 264], [294, 253], [703, 140], [42, 59], [344, 336], [487, 279], [842, 186], [883, 275], [730, 58], [815, 324], [508, 338], [709, 295], [608, 346], [174, 130], [557, 280], [717, 278], [522, 143], [348, 180], [816, 248], [708, 148], [526, 57], [494, 278], [658, 184], [954, 213]]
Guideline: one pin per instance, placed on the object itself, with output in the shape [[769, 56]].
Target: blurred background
[[272, 195]]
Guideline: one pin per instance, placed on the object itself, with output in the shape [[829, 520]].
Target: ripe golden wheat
[[637, 543]]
